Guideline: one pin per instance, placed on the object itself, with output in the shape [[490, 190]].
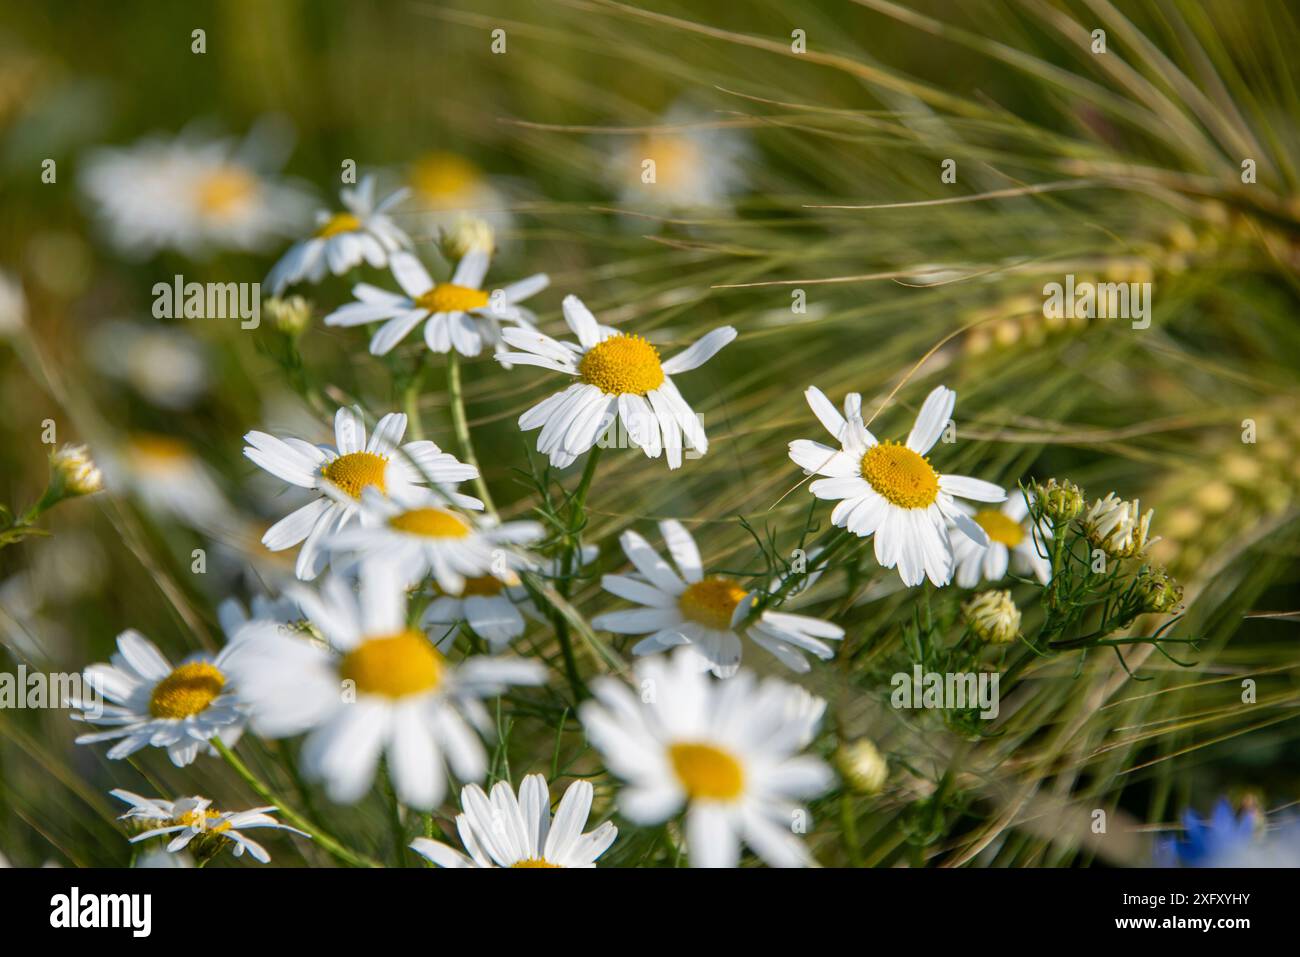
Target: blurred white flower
[[380, 687], [192, 194], [697, 162]]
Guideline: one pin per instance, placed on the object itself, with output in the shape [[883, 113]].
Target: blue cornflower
[[1205, 842]]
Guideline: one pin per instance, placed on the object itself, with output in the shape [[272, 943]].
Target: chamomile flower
[[198, 825], [729, 754], [154, 704], [363, 230], [340, 473], [1012, 544], [616, 373], [421, 536], [191, 195], [703, 613], [1119, 528], [458, 314], [891, 490], [506, 830], [379, 687], [697, 162]]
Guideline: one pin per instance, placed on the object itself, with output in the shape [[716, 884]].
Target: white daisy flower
[[728, 753], [509, 831], [154, 704], [420, 536], [340, 473], [380, 687], [457, 315], [697, 163], [192, 818], [1011, 545], [363, 231], [617, 373], [892, 490], [703, 613], [191, 195]]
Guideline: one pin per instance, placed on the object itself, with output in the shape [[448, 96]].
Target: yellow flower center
[[158, 454], [188, 690], [534, 862], [999, 527], [622, 364], [393, 666], [449, 297], [224, 191], [486, 585], [707, 773], [199, 819], [900, 475], [338, 223], [431, 523], [676, 158], [356, 471], [711, 602], [440, 177]]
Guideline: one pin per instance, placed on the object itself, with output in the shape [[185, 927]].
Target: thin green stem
[[460, 424], [262, 790]]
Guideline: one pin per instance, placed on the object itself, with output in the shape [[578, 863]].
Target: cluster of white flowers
[[351, 661]]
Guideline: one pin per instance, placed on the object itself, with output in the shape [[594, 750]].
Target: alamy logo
[[212, 300], [953, 690], [74, 909], [60, 689], [1098, 300]]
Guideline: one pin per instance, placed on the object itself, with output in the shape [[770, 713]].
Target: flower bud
[[862, 766], [468, 234], [1062, 502], [993, 617], [290, 315], [1158, 590], [75, 471], [1119, 528]]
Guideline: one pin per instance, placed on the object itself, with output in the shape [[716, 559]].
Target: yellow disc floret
[[901, 476], [393, 666], [224, 191], [449, 297], [187, 691], [1000, 528], [430, 523], [336, 224], [622, 364], [711, 602], [534, 862], [356, 471], [707, 773]]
